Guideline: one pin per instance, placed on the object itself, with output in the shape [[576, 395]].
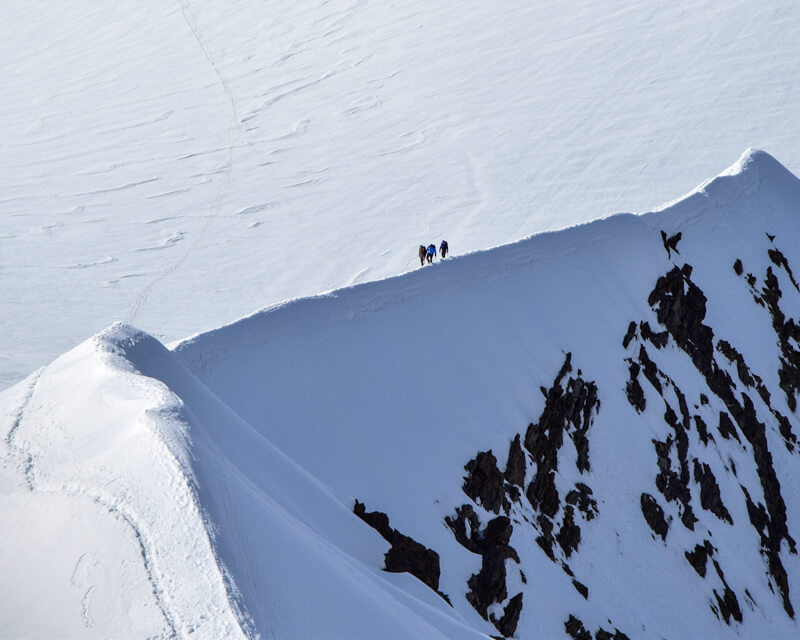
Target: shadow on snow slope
[[384, 391], [266, 431]]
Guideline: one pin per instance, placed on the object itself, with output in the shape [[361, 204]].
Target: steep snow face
[[179, 164], [589, 433], [651, 473], [114, 459]]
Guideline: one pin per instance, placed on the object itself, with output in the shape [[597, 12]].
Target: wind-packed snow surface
[[591, 431], [179, 164]]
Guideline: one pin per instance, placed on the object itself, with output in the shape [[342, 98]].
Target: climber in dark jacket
[[443, 249], [422, 253]]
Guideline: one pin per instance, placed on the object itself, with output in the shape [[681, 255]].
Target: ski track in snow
[[146, 547], [119, 501], [80, 579], [21, 457], [234, 131], [25, 462]]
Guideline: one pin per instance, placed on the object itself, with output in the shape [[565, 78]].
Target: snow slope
[[179, 164], [211, 485], [386, 390]]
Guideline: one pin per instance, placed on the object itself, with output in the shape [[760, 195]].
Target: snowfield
[[206, 489], [282, 427], [178, 165]]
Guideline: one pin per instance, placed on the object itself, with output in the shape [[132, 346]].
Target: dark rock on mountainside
[[710, 497], [671, 243], [726, 427], [654, 515], [515, 467], [568, 410], [484, 482], [571, 404], [702, 430], [488, 586], [406, 555], [569, 536], [576, 630], [581, 588], [630, 334], [698, 557], [728, 603], [788, 334], [633, 390], [658, 339], [465, 527], [409, 556], [673, 476], [779, 260], [680, 307], [377, 520], [507, 624], [581, 498], [700, 434], [711, 420]]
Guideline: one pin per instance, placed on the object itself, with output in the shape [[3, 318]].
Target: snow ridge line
[[22, 457], [184, 482]]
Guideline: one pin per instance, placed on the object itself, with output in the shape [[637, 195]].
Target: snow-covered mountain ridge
[[176, 165], [592, 431]]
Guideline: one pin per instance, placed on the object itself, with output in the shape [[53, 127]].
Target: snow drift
[[592, 431]]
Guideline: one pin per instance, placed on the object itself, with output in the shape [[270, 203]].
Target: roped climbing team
[[429, 253]]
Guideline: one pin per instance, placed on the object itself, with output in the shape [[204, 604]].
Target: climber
[[431, 252]]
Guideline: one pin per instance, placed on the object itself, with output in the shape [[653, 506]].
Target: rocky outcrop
[[654, 515], [698, 433], [569, 410], [406, 555], [680, 308], [516, 466], [633, 390], [507, 625], [488, 586], [671, 243], [727, 602], [698, 557], [581, 498], [710, 497], [577, 631], [485, 482], [553, 511]]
